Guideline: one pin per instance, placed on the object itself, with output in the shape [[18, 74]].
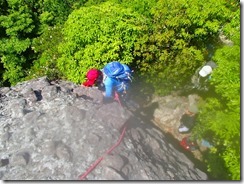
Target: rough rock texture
[[168, 113], [57, 130]]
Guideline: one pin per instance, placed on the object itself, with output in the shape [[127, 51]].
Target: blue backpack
[[118, 71]]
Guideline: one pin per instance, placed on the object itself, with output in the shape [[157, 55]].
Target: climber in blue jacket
[[116, 79]]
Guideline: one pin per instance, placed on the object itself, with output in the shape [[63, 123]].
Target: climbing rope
[[93, 166], [117, 98]]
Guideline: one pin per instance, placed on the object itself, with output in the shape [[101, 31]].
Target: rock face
[[57, 130]]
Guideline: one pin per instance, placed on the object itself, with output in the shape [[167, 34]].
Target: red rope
[[83, 176], [116, 97]]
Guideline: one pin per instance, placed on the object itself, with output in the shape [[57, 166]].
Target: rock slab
[[55, 130]]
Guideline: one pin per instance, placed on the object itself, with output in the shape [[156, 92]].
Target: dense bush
[[96, 35], [221, 115], [47, 46], [16, 24], [21, 22], [179, 33]]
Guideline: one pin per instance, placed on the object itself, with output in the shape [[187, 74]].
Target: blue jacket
[[116, 78], [111, 85]]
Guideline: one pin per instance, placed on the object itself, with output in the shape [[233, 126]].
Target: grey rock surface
[[57, 130]]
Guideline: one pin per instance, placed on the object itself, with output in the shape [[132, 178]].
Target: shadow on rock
[[197, 163], [142, 131]]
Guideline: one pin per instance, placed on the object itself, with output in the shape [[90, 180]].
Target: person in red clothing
[[114, 80], [94, 77]]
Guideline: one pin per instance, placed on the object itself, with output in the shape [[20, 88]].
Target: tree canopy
[[96, 35]]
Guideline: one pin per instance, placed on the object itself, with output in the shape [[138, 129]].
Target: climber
[[116, 79], [207, 69], [201, 78], [188, 119], [189, 143], [94, 77]]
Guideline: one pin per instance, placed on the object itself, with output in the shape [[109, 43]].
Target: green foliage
[[96, 35], [14, 71], [94, 2], [20, 22], [221, 115], [226, 78], [55, 12], [47, 46], [141, 6], [12, 60], [58, 10], [16, 24], [179, 32], [217, 167], [224, 126]]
